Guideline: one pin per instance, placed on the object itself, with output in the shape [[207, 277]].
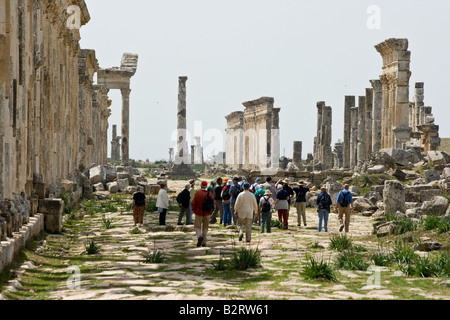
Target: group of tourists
[[237, 202]]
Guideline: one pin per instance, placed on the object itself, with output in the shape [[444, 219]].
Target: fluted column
[[377, 115], [125, 126], [350, 102]]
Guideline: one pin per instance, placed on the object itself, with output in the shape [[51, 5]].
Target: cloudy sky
[[299, 52]]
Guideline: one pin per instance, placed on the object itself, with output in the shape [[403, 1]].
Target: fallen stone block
[[97, 175], [437, 207], [113, 187], [53, 210], [436, 158]]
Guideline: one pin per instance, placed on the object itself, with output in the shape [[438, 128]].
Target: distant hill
[[445, 145]]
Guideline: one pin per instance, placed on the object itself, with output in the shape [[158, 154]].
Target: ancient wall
[[47, 113]]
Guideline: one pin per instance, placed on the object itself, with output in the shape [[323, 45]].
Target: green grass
[[155, 256], [244, 259], [381, 258], [350, 260], [92, 247], [107, 223], [340, 243], [278, 224], [403, 253], [315, 270], [427, 267], [135, 230]]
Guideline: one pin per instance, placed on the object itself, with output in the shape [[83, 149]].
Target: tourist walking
[[139, 204], [258, 195], [192, 192], [324, 204], [266, 205], [226, 203], [344, 202], [300, 204], [245, 207], [184, 199], [282, 205], [255, 187], [269, 186], [162, 203], [235, 191], [217, 192], [212, 184], [203, 207]]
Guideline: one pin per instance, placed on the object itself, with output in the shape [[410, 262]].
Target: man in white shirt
[[244, 207]]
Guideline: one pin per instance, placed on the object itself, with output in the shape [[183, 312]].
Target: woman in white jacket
[[162, 203]]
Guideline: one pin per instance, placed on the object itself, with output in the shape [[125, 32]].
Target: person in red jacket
[[203, 210]]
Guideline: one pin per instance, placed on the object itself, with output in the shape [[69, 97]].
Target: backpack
[[324, 202], [266, 206], [226, 193], [344, 202], [258, 196], [208, 204]]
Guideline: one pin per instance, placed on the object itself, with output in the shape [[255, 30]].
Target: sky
[[299, 52]]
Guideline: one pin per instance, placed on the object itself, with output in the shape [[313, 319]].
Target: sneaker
[[199, 243], [341, 228]]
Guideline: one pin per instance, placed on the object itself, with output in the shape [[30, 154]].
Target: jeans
[[162, 217], [323, 216], [266, 218], [226, 214], [233, 214]]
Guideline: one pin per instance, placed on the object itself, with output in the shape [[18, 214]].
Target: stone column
[[419, 105], [297, 157], [361, 157], [318, 142], [354, 138], [115, 145], [182, 155], [326, 152], [171, 153], [275, 139], [125, 126], [396, 75], [377, 115], [350, 102], [368, 122], [198, 154]]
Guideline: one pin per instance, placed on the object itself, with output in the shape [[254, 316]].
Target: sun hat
[[268, 193]]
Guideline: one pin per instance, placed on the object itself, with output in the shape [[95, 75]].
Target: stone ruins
[[253, 136], [53, 117]]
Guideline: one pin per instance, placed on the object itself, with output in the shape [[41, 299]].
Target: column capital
[[125, 92], [376, 85]]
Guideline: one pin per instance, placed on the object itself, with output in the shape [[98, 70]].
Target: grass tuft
[[315, 270]]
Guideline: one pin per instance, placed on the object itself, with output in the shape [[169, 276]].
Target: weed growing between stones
[[341, 243], [278, 224], [155, 256], [92, 247], [403, 254], [107, 223], [381, 258], [318, 270], [350, 260], [244, 259], [135, 230]]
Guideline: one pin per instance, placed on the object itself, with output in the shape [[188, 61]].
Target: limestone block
[[428, 195], [446, 173], [394, 196], [402, 157], [436, 158], [378, 169], [130, 189], [436, 207], [113, 187], [97, 175], [67, 186], [53, 210], [99, 187], [363, 204], [103, 195], [123, 175], [40, 189], [3, 231], [432, 175], [34, 205], [386, 229], [111, 174], [123, 184]]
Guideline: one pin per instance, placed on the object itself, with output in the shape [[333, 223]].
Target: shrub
[[350, 260], [109, 207], [278, 224], [155, 256], [244, 259], [430, 222], [107, 223], [405, 225], [443, 225], [381, 258], [313, 270], [359, 248], [340, 243], [92, 247], [403, 254]]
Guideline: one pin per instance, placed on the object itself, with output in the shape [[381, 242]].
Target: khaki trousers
[[301, 212], [246, 223], [201, 226], [347, 213]]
